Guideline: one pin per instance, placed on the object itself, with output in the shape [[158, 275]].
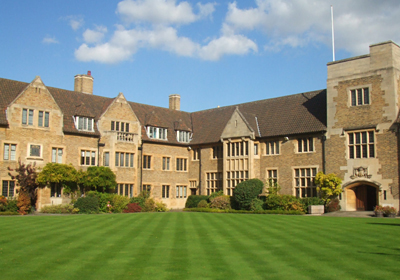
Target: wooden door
[[361, 198]]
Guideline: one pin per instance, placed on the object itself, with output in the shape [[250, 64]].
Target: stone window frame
[[214, 181], [56, 190], [119, 126], [165, 191], [370, 147], [87, 123], [181, 191], [159, 133], [195, 154], [166, 164], [43, 119], [27, 118], [10, 145], [104, 158], [124, 156], [272, 148], [305, 181], [29, 151], [91, 157], [57, 148], [146, 187], [6, 193], [146, 162], [183, 136], [217, 152], [181, 164], [126, 187], [300, 145], [359, 87], [270, 171], [237, 149]]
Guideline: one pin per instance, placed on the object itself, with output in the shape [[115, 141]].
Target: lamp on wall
[[286, 138]]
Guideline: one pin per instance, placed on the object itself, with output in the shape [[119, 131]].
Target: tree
[[26, 179], [64, 175], [98, 178], [246, 191], [329, 186]]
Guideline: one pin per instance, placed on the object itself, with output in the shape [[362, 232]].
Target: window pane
[[126, 159], [300, 145], [112, 125], [364, 151], [93, 158], [6, 151], [127, 127], [46, 119], [359, 96], [117, 159], [358, 151], [371, 136], [371, 150], [53, 155], [24, 116], [351, 138], [131, 163], [121, 159], [30, 117], [90, 124], [122, 126], [106, 159], [366, 95], [40, 121], [353, 98], [364, 137]]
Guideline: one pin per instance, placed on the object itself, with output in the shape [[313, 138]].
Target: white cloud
[[75, 22], [358, 23], [50, 40], [105, 53], [206, 10], [94, 36]]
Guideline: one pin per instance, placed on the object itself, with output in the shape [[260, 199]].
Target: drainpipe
[[200, 163], [141, 166], [323, 139]]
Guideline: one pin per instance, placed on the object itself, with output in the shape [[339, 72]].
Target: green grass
[[182, 245]]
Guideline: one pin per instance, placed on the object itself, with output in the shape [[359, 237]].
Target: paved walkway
[[359, 214]]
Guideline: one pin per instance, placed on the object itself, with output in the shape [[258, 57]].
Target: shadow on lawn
[[382, 224]]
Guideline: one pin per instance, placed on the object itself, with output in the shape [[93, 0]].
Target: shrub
[[307, 201], [246, 191], [256, 205], [3, 203], [119, 203], [388, 210], [193, 200], [221, 202], [161, 207], [104, 200], [24, 203], [202, 204], [87, 204], [59, 209], [149, 205], [333, 205], [12, 205], [214, 195], [283, 202], [133, 208], [138, 200]]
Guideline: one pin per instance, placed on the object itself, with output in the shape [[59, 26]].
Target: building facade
[[351, 128]]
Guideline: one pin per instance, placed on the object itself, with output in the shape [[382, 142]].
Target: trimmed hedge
[[233, 211], [283, 202], [246, 191], [87, 205], [193, 200]]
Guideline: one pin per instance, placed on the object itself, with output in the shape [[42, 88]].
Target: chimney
[[84, 83], [175, 102]]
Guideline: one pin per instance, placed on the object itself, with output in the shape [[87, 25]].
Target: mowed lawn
[[181, 245]]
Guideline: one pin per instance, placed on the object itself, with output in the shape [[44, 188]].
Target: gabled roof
[[282, 116]]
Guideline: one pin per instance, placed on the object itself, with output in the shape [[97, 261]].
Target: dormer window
[[84, 123], [156, 132], [183, 136]]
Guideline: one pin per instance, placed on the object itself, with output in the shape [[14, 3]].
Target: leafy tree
[[26, 179], [329, 186], [64, 175], [246, 191], [272, 186], [98, 178]]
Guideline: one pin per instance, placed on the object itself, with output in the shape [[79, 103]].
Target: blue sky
[[212, 53]]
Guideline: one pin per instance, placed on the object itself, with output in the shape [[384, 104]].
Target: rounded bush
[[283, 202], [193, 200], [214, 195], [246, 191], [256, 205], [202, 204], [221, 202], [133, 208]]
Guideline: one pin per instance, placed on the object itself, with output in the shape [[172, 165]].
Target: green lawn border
[[233, 211]]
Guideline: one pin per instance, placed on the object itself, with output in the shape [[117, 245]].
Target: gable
[[237, 126]]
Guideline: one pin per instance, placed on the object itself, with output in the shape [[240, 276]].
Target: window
[[193, 187], [304, 182], [27, 116], [256, 149], [181, 191], [165, 191], [146, 162], [362, 144], [84, 123], [235, 177], [165, 163], [236, 149], [156, 132], [56, 155], [8, 188], [214, 182], [181, 164], [183, 136], [272, 176], [196, 154], [55, 190], [305, 145], [124, 159], [124, 189], [46, 116], [88, 158], [146, 188], [106, 159], [9, 151], [217, 152], [272, 148], [359, 96], [35, 150], [119, 126]]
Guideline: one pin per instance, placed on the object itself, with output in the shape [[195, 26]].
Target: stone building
[[351, 129]]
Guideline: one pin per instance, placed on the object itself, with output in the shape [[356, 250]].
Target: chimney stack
[[175, 102], [84, 83]]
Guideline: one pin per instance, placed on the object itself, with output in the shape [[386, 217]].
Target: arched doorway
[[362, 197]]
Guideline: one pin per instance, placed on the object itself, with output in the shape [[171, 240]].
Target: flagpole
[[333, 35]]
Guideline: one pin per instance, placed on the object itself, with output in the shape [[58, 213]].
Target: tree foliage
[[25, 175], [98, 178], [61, 174], [246, 191], [329, 186]]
